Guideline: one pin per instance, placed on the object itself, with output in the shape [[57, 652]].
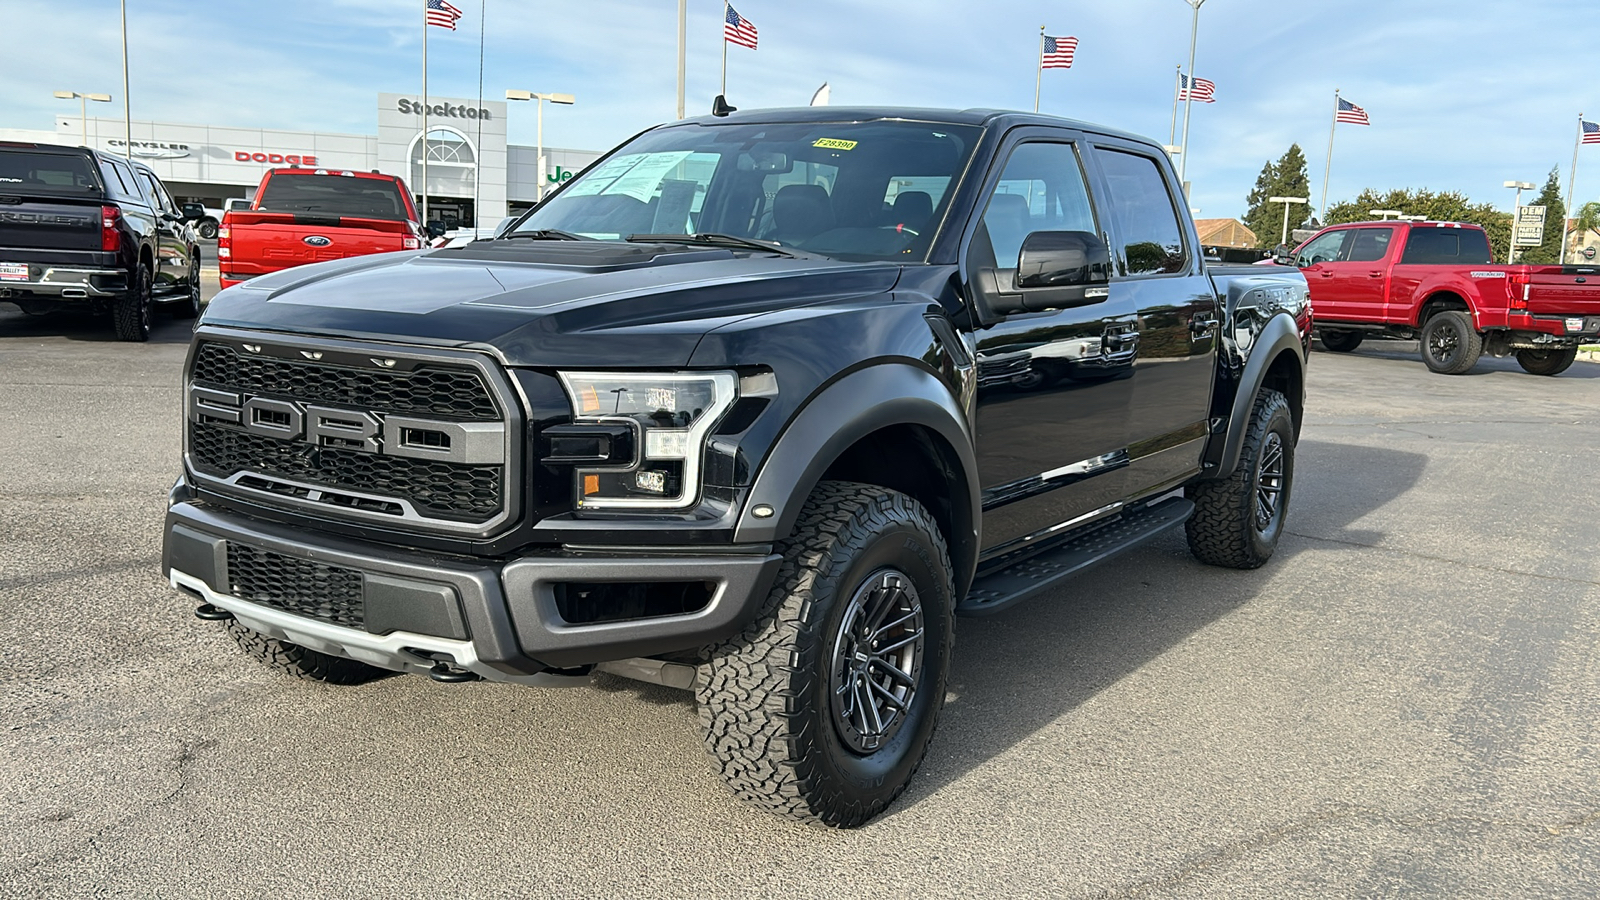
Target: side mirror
[[1062, 259], [505, 225], [436, 228], [193, 212], [1283, 255]]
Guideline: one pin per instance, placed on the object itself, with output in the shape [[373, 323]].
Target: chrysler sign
[[151, 149]]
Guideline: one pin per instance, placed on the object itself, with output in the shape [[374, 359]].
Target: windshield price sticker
[[834, 144]]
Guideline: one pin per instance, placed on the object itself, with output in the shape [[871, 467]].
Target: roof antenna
[[720, 107]]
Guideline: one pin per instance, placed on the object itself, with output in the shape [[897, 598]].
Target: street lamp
[[1516, 208], [83, 107], [563, 99], [1386, 213], [1188, 103], [1287, 202]]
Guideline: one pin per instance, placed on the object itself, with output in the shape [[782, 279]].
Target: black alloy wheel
[[877, 660], [1450, 344], [1546, 362], [1340, 341]]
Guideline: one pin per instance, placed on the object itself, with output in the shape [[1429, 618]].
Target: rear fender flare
[[843, 413], [1277, 336]]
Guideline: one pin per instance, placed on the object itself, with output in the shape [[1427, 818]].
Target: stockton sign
[[444, 110]]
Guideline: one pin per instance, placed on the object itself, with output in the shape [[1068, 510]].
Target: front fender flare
[[843, 413], [1278, 335]]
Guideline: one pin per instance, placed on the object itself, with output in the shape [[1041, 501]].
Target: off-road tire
[[1546, 362], [299, 662], [1225, 529], [767, 706], [131, 312], [1340, 341], [1449, 343]]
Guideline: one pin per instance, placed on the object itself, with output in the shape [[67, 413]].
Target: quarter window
[[1148, 229]]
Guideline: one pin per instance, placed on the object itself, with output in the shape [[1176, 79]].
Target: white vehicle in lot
[[207, 226]]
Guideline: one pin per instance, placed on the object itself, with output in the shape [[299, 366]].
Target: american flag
[[736, 29], [1349, 112], [1591, 132], [1202, 90], [442, 14], [1058, 52]]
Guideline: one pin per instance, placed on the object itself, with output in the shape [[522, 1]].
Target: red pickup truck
[[303, 216], [1436, 282]]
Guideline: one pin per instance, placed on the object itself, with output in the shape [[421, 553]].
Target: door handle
[[1326, 274], [1201, 327], [1378, 274]]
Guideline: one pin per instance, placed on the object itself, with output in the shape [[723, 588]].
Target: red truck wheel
[[1341, 341], [1546, 362], [1450, 345]]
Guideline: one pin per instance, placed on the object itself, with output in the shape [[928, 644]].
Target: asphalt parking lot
[[1403, 703]]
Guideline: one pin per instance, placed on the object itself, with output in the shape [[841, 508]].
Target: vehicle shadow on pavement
[[88, 328], [1022, 671], [1406, 351]]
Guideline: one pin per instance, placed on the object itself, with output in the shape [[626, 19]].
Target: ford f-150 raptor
[[755, 406]]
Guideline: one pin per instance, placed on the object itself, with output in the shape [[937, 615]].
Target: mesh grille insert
[[329, 593]]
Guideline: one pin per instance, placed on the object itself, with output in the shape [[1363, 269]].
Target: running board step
[[997, 590]]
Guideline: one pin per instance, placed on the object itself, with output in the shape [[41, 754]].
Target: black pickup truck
[[80, 228], [755, 406]]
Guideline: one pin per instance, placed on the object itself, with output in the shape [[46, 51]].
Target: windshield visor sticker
[[834, 144]]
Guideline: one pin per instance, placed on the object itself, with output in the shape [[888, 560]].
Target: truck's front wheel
[[823, 707], [1450, 344], [1340, 341], [1546, 362], [1238, 520], [300, 662]]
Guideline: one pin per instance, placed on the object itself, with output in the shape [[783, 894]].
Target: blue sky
[[1463, 95]]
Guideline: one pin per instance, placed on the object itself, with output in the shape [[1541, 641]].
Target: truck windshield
[[336, 195], [66, 173], [854, 191]]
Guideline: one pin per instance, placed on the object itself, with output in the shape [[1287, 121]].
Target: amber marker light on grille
[[591, 484]]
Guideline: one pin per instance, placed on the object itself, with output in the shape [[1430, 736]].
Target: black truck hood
[[544, 303]]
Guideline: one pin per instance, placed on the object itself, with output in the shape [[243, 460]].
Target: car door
[[1316, 260], [1052, 398], [1168, 352], [1356, 282], [172, 272]]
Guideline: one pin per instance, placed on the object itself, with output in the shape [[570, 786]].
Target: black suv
[[79, 227], [754, 406]]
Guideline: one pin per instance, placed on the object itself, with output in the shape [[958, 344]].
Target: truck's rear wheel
[[299, 662], [130, 313], [1238, 520], [1340, 341], [207, 229], [1546, 362], [1450, 344], [823, 707]]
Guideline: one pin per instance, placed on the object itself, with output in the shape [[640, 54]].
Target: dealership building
[[473, 174]]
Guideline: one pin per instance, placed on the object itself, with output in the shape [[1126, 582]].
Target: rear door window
[[49, 172], [1370, 244], [1447, 246], [334, 195], [1147, 222]]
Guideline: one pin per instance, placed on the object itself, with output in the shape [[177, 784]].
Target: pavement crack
[[115, 568], [1445, 559]]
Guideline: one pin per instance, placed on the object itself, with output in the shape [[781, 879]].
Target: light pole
[[83, 107], [1287, 202], [563, 99], [1516, 213], [1386, 213], [1188, 101]]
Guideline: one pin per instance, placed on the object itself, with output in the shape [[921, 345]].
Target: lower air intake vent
[[329, 593]]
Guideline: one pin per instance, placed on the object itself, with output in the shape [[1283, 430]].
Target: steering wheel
[[901, 228]]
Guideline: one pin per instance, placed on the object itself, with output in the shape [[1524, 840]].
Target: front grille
[[331, 475], [429, 390], [297, 586]]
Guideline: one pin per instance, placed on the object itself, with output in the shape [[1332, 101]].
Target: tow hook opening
[[211, 613], [445, 673]]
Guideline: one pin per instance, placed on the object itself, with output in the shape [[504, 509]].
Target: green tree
[[1555, 212], [1440, 206], [1284, 178]]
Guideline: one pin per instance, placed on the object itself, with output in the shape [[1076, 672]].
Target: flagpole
[[424, 115], [725, 5], [683, 34], [1177, 91], [1328, 166], [127, 104], [1183, 161], [1038, 74], [477, 152], [1572, 180]]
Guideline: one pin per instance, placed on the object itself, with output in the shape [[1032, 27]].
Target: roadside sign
[[1529, 230]]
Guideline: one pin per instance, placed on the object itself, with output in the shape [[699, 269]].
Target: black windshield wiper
[[713, 239], [544, 234]]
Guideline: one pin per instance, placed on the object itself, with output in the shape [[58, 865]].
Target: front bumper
[[498, 619], [66, 283]]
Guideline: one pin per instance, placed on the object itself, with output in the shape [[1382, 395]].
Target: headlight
[[639, 439]]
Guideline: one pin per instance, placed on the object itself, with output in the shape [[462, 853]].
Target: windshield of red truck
[[334, 195], [65, 173], [852, 190]]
